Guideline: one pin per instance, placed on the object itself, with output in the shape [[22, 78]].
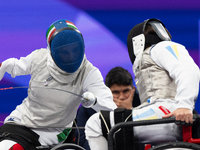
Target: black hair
[[119, 76]]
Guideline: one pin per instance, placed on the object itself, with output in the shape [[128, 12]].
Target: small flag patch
[[173, 50]]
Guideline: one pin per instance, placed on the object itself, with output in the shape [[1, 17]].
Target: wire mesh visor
[[67, 50], [160, 30]]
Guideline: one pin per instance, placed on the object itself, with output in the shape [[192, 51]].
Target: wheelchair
[[70, 146], [190, 135], [190, 138]]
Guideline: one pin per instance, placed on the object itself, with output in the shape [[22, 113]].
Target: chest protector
[[152, 80]]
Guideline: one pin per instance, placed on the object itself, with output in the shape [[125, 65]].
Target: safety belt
[[124, 137]]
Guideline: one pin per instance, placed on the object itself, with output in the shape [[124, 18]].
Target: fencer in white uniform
[[167, 79], [56, 72]]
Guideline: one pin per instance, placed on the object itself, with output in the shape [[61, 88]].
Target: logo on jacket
[[11, 119], [173, 50]]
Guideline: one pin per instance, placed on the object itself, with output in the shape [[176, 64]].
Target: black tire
[[168, 146], [67, 146]]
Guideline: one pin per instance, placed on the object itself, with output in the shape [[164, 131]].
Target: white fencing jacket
[[47, 104]]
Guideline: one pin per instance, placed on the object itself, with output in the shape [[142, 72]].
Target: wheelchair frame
[[188, 140], [186, 130]]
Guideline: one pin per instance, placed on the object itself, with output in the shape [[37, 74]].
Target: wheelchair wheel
[[176, 146], [66, 146]]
